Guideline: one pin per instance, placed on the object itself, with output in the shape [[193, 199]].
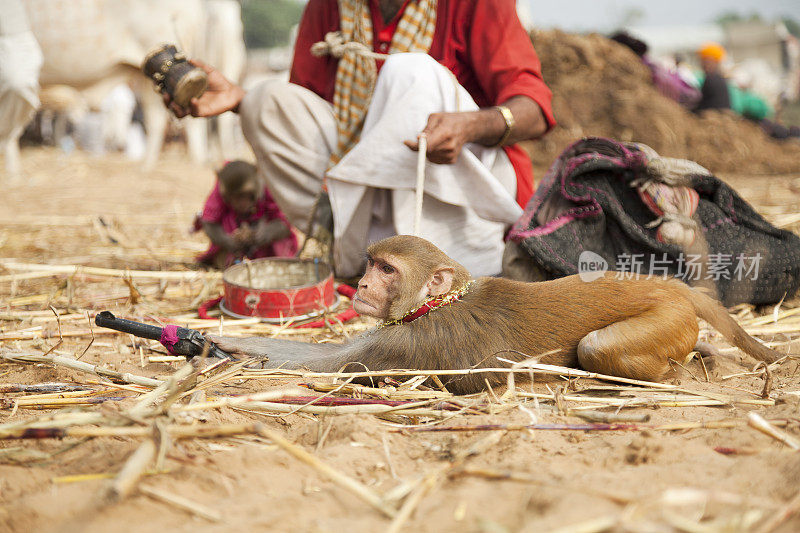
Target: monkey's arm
[[269, 231], [218, 236], [281, 353], [362, 352]]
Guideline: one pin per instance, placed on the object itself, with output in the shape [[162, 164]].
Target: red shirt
[[481, 41], [217, 211]]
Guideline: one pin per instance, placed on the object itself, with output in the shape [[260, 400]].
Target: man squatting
[[464, 72]]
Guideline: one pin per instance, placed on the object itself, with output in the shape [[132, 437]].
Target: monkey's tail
[[715, 314]]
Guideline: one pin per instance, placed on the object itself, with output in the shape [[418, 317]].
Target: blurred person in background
[[714, 92]]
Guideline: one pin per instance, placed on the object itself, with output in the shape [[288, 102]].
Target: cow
[[94, 45], [20, 60]]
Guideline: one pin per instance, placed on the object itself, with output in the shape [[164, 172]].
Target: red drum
[[278, 289]]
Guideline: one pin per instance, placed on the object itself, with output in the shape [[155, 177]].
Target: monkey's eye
[[387, 269]]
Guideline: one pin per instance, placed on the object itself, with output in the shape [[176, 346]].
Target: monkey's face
[[378, 288], [242, 202]]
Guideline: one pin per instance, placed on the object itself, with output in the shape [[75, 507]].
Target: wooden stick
[[766, 319], [182, 503], [346, 482], [757, 421], [239, 400], [575, 372], [51, 403], [175, 431], [538, 368], [407, 409], [131, 472], [717, 424], [82, 367], [678, 401], [43, 387], [68, 394], [433, 478], [42, 334], [166, 359], [132, 388], [610, 418], [188, 275], [148, 405], [79, 478], [413, 500], [361, 390]]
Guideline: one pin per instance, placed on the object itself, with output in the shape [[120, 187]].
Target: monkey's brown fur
[[627, 328], [239, 176]]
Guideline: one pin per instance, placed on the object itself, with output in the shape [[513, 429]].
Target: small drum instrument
[[278, 289], [174, 75]]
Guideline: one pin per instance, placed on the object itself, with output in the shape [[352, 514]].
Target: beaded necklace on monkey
[[431, 303]]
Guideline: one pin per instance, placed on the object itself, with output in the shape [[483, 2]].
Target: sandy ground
[[635, 480]]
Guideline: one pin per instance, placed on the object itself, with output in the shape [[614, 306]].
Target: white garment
[[20, 61], [467, 205]]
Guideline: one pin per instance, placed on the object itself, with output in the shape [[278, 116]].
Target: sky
[[605, 15]]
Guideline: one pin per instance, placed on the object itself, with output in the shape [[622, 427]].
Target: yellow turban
[[712, 51]]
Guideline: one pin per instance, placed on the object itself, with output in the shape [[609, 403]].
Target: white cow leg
[[227, 124], [196, 138], [59, 127], [13, 161], [155, 124]]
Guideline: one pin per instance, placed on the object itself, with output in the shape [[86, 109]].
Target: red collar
[[430, 305], [427, 307]]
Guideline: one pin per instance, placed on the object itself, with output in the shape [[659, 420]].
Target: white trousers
[[466, 207]]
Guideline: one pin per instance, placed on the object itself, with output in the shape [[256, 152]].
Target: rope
[[334, 45], [420, 188]]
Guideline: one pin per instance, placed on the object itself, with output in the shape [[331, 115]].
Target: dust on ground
[[106, 213]]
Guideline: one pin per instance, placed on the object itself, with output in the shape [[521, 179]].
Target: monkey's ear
[[441, 281]]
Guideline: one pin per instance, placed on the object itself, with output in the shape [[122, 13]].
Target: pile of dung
[[601, 88]]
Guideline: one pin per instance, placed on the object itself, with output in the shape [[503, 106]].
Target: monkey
[[241, 219], [436, 317]]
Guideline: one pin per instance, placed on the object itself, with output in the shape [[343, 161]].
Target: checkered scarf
[[356, 72]]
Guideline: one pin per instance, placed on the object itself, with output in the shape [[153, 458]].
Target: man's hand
[[220, 96], [446, 133]]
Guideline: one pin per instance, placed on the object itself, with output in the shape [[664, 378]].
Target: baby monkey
[[436, 317], [241, 219]]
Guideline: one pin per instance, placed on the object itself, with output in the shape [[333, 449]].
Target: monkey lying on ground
[[436, 318]]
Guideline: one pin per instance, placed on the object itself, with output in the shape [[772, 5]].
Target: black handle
[[106, 319], [190, 342]]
